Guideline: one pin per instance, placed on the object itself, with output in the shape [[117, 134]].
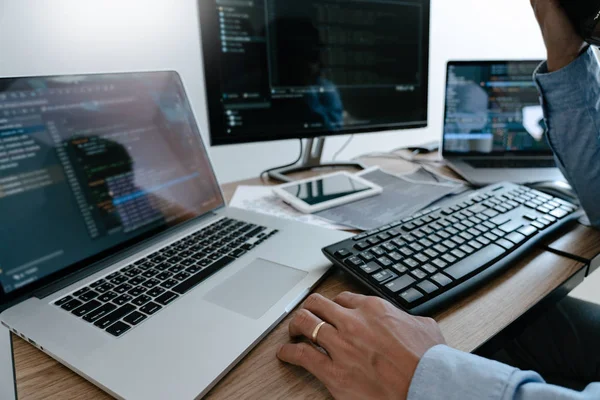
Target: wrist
[[559, 61]]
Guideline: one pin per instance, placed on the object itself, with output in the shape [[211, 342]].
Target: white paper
[[261, 199]]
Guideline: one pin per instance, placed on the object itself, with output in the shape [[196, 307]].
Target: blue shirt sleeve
[[445, 373], [571, 101]]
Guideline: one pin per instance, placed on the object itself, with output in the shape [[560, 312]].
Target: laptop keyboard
[[512, 163], [122, 300]]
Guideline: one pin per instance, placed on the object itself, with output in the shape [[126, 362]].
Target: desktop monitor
[[283, 69]]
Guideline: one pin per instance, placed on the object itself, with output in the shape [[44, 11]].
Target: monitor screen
[[493, 108], [92, 164], [281, 69]]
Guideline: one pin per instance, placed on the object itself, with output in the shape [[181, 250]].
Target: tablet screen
[[327, 189]]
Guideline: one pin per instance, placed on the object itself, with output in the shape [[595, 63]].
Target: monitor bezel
[[9, 299], [212, 81], [519, 153]]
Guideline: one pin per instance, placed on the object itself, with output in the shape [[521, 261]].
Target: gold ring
[[316, 332]]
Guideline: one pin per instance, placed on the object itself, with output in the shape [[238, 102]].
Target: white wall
[[80, 36]]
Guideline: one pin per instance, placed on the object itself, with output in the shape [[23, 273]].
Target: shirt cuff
[[445, 373], [561, 90]]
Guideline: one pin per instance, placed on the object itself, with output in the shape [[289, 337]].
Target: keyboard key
[[340, 254], [105, 287], [86, 308], [409, 262], [119, 279], [149, 284], [400, 284], [449, 258], [366, 256], [168, 284], [99, 313], [125, 298], [200, 276], [360, 246], [385, 262], [378, 252], [166, 298], [538, 225], [150, 308], [421, 258], [506, 244], [418, 274], [370, 267], [182, 276], [136, 291], [141, 300], [440, 263], [108, 296], [411, 295], [441, 279], [467, 249], [97, 283], [431, 253], [388, 247], [430, 269], [89, 295], [511, 226], [383, 276], [63, 301], [118, 328], [559, 213], [516, 238], [123, 288], [475, 244], [475, 261], [134, 318], [114, 316], [458, 253], [80, 292], [354, 262], [528, 231], [428, 287], [483, 240], [157, 291]]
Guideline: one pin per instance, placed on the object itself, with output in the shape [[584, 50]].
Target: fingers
[[304, 324], [350, 300], [306, 356], [325, 309]]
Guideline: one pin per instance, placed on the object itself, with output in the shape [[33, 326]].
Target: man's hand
[[563, 43], [371, 348]]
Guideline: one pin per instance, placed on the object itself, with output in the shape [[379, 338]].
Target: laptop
[[494, 127], [119, 257], [8, 389]]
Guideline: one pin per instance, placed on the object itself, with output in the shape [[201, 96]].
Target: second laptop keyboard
[[424, 262]]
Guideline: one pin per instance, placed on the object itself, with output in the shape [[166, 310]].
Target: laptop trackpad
[[256, 288]]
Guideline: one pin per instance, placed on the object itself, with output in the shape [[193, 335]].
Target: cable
[[262, 174], [335, 156]]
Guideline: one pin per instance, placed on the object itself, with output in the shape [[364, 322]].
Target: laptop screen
[[93, 164], [493, 108]]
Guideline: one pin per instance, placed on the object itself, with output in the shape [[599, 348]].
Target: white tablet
[[323, 192]]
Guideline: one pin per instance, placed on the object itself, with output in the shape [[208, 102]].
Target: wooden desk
[[580, 243], [466, 325]]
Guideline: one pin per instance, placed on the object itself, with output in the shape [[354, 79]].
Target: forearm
[[453, 375], [571, 101]]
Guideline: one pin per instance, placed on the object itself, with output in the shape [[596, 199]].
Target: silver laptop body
[[494, 125], [8, 387], [117, 186]]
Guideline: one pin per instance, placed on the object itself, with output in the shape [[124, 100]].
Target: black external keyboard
[[425, 262], [127, 297], [532, 163]]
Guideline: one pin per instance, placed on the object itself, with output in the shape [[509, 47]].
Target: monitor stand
[[311, 159]]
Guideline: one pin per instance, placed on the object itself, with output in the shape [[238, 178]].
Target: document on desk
[[261, 199], [402, 196]]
